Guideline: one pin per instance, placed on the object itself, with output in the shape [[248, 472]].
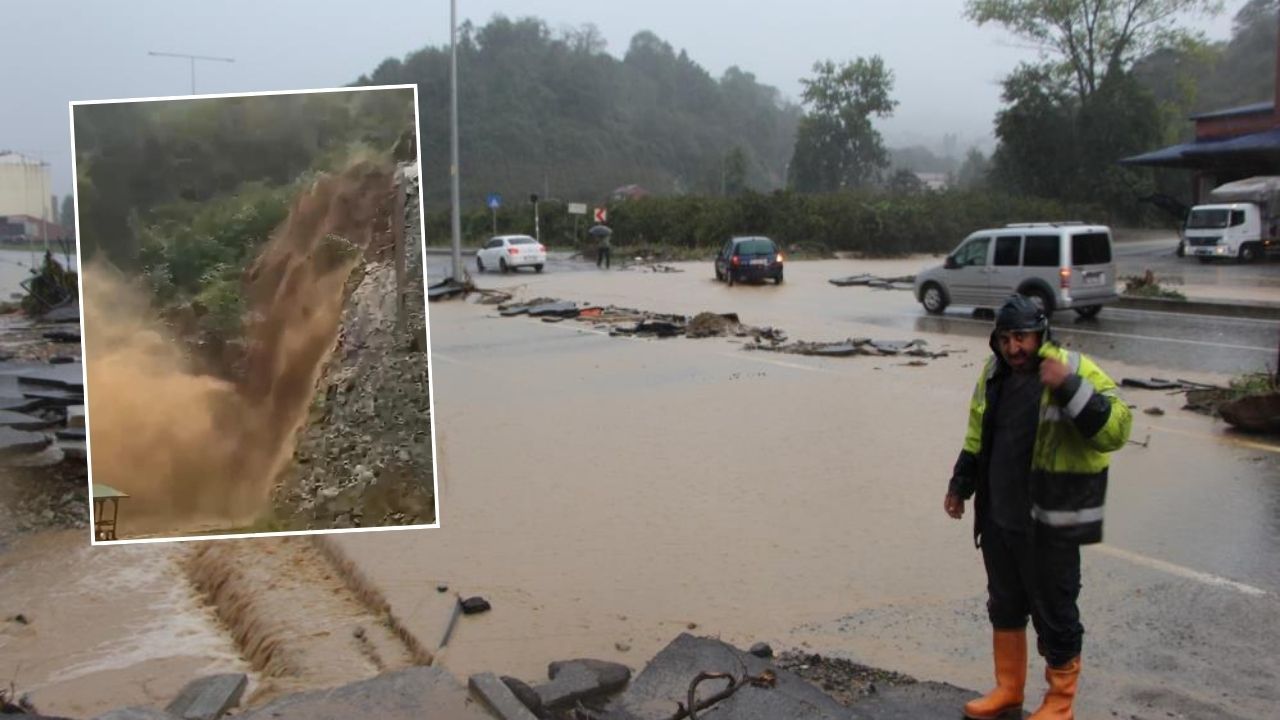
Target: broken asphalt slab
[[855, 346], [574, 681], [22, 421], [208, 698], [447, 288], [499, 698], [418, 693], [14, 443], [663, 685], [903, 282]]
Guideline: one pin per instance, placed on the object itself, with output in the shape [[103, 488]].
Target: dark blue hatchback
[[749, 258]]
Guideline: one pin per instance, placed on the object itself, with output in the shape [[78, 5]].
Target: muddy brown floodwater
[[606, 494], [103, 627]]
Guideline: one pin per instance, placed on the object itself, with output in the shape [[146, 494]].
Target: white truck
[[1242, 221]]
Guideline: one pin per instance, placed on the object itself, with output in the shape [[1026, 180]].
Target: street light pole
[[192, 59], [453, 140]]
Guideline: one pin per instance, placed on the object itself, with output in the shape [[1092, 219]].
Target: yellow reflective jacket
[[1081, 423]]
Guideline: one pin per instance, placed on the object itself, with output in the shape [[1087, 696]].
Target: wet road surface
[[606, 493]]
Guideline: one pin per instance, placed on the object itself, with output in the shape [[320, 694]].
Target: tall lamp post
[[192, 59], [453, 140]]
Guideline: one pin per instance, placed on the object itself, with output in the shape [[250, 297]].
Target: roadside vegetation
[[870, 221], [181, 195], [1147, 286]]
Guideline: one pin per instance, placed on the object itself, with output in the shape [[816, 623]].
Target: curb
[[1259, 311]]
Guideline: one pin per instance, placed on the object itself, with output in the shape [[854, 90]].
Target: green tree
[[972, 174], [836, 145], [905, 182], [1091, 39], [735, 171], [1070, 117]]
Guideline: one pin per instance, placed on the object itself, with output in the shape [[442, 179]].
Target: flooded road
[[607, 493], [103, 627]]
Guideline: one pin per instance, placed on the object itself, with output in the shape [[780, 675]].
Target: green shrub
[[871, 222]]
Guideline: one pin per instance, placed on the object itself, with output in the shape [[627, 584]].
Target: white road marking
[[1180, 571], [756, 358], [1221, 438], [1202, 343]]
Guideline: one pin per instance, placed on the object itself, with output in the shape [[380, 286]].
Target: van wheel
[[1248, 253], [729, 275], [1041, 298], [503, 267], [537, 268], [1089, 311], [933, 299], [479, 264]]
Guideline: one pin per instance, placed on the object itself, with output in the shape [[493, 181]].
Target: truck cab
[[1232, 230], [1239, 221]]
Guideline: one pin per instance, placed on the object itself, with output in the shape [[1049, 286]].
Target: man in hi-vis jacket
[[1041, 424]]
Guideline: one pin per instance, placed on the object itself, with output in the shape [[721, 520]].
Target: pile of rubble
[[857, 346], [630, 322], [904, 282], [620, 321], [42, 417], [691, 677], [1257, 412]]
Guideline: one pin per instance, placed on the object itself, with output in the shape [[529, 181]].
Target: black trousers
[[602, 257], [1029, 576]]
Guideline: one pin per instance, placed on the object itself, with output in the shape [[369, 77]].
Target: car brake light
[[1065, 277], [736, 260], [542, 248], [513, 251]]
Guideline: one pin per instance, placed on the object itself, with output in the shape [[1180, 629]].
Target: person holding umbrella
[[602, 233]]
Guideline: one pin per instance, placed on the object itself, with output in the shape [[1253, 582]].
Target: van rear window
[[1090, 249], [1040, 251]]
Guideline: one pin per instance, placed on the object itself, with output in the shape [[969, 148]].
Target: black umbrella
[[599, 231]]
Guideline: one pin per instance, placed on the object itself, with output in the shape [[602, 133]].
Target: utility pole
[[453, 140], [537, 233], [192, 59]]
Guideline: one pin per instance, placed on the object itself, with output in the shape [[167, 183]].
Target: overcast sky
[[946, 69]]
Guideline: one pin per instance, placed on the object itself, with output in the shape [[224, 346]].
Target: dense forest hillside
[[554, 113]]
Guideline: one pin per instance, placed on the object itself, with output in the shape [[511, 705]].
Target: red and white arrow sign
[[601, 213]]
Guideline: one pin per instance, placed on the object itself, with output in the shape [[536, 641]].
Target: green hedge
[[873, 223]]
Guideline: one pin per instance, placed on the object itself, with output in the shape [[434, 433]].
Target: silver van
[[1058, 265]]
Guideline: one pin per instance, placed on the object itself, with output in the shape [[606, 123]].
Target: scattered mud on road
[[192, 449]]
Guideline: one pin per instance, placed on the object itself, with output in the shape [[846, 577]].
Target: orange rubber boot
[[1062, 692], [1010, 650]]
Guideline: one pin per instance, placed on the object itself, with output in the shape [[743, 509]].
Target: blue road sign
[[494, 201]]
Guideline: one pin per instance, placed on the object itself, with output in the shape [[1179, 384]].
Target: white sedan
[[510, 252]]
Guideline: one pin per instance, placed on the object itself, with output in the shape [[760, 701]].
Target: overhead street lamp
[[456, 217], [192, 59]]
